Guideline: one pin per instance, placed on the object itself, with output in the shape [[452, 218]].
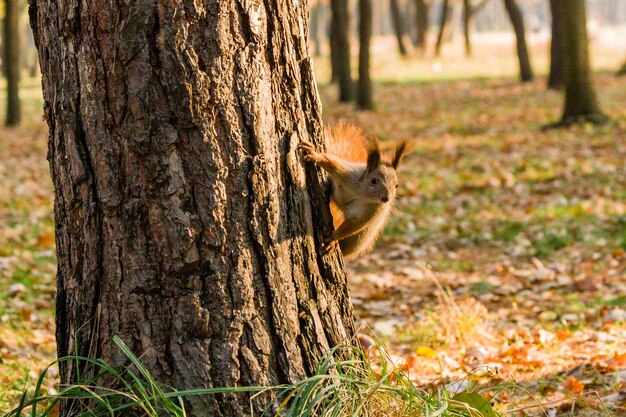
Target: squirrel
[[363, 186]]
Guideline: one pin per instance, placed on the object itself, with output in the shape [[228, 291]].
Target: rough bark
[[517, 20], [183, 210], [364, 94], [580, 97], [444, 24], [12, 61], [340, 41], [398, 26], [422, 12], [557, 58]]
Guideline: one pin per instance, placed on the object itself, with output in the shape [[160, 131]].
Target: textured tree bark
[[580, 97], [517, 20], [557, 58], [444, 23], [12, 61], [398, 26], [364, 95], [340, 39], [422, 12], [183, 211]]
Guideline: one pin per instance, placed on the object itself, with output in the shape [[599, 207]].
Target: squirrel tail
[[350, 142]]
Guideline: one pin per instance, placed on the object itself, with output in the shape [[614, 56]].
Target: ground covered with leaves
[[504, 265]]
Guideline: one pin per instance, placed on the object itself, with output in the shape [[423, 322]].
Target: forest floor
[[504, 264]]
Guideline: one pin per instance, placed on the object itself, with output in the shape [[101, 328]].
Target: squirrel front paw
[[309, 151]]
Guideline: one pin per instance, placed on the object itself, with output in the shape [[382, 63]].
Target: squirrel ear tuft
[[373, 153], [401, 150]]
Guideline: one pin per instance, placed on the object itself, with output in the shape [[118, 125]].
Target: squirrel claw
[[308, 149], [329, 246]]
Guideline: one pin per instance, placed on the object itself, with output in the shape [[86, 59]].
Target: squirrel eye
[[396, 185], [373, 180]]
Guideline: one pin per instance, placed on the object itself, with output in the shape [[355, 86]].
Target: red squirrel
[[363, 186]]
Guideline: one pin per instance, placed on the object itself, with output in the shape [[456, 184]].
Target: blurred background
[[507, 246]]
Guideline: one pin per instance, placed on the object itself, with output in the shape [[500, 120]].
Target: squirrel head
[[380, 180]]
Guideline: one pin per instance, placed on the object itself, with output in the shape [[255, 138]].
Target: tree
[[422, 12], [444, 22], [12, 61], [557, 69], [340, 46], [183, 211], [317, 21], [364, 95], [580, 97], [622, 70], [398, 26], [469, 13], [517, 20]]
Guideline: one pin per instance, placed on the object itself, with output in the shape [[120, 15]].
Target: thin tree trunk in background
[[341, 42], [364, 96], [444, 20], [557, 58], [12, 61], [421, 23], [334, 55], [517, 20], [398, 26], [316, 21], [183, 211], [580, 97], [622, 69], [467, 16]]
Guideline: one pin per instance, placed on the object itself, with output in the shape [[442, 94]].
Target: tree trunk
[[557, 63], [580, 98], [183, 212], [341, 43], [398, 26], [316, 22], [421, 23], [517, 20], [364, 97], [622, 70], [334, 55], [12, 61], [444, 23], [467, 17]]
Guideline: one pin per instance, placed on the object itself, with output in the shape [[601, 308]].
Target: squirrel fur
[[363, 186]]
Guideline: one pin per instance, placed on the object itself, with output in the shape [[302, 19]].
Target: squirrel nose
[[385, 199]]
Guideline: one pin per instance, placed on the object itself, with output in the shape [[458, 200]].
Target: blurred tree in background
[[580, 97], [11, 43], [340, 47], [517, 20], [557, 62], [364, 93]]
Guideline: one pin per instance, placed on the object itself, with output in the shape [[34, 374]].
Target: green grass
[[345, 384]]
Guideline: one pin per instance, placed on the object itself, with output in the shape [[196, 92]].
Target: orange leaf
[[573, 385], [563, 335], [618, 361]]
